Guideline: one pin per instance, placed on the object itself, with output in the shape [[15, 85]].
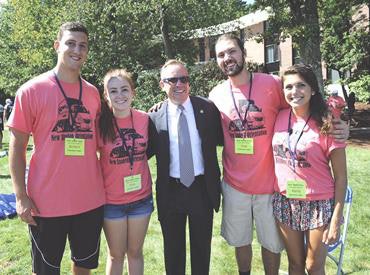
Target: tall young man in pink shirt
[[248, 103], [64, 193]]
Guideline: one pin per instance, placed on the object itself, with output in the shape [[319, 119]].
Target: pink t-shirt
[[115, 160], [60, 185], [312, 158], [252, 174]]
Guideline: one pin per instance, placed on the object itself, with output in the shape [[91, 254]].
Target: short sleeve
[[329, 144], [22, 116]]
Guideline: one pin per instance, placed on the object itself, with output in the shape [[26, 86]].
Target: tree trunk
[[306, 14], [310, 54], [341, 76], [165, 35]]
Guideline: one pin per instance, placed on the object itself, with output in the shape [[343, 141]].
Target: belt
[[177, 180]]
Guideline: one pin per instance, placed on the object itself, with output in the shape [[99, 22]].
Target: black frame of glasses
[[174, 80]]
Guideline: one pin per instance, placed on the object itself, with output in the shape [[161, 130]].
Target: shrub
[[148, 91], [361, 88], [204, 77]]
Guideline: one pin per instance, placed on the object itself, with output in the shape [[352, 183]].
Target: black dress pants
[[193, 204]]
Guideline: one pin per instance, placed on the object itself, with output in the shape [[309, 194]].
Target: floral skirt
[[302, 215]]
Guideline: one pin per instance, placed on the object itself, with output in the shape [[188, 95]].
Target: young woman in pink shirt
[[125, 142], [308, 202]]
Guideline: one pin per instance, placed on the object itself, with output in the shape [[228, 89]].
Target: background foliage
[[123, 33], [361, 88], [322, 31], [140, 35], [345, 42]]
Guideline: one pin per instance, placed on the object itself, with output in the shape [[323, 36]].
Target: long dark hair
[[318, 108], [106, 120]]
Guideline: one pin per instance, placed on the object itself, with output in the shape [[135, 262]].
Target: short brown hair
[[72, 27], [171, 62]]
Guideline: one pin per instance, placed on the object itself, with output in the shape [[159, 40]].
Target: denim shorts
[[143, 207]]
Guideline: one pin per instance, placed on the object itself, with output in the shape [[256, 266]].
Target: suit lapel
[[162, 118]]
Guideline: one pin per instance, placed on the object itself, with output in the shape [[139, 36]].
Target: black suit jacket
[[207, 119]]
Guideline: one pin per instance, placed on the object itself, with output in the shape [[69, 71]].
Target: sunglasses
[[174, 80]]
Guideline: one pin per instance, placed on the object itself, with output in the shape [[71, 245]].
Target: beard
[[233, 71]]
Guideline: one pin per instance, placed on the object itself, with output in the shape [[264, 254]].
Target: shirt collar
[[172, 108]]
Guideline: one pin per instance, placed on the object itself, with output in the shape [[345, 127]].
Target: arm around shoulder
[[340, 130]]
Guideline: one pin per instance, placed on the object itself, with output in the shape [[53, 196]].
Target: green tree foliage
[[123, 33], [361, 88], [204, 77], [141, 35], [346, 41], [192, 14], [27, 32], [7, 49], [117, 39], [148, 91], [321, 31], [300, 20]]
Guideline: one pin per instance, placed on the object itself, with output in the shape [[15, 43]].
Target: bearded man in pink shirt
[[64, 194], [249, 104]]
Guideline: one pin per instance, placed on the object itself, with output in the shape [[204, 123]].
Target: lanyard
[[249, 101], [129, 150], [293, 154], [70, 113]]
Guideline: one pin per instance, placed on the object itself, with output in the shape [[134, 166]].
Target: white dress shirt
[[173, 114]]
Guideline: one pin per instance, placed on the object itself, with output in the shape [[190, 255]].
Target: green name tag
[[296, 189], [132, 183], [244, 146], [74, 147]]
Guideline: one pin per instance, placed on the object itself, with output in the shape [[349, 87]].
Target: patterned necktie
[[185, 154]]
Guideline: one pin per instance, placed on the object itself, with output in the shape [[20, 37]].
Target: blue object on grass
[[7, 206]]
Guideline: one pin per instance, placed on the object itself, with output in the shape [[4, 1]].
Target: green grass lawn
[[15, 254]]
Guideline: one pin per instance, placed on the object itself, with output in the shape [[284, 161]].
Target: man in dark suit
[[179, 198]]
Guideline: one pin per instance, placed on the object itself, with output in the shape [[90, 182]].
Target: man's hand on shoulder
[[340, 130], [155, 107]]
